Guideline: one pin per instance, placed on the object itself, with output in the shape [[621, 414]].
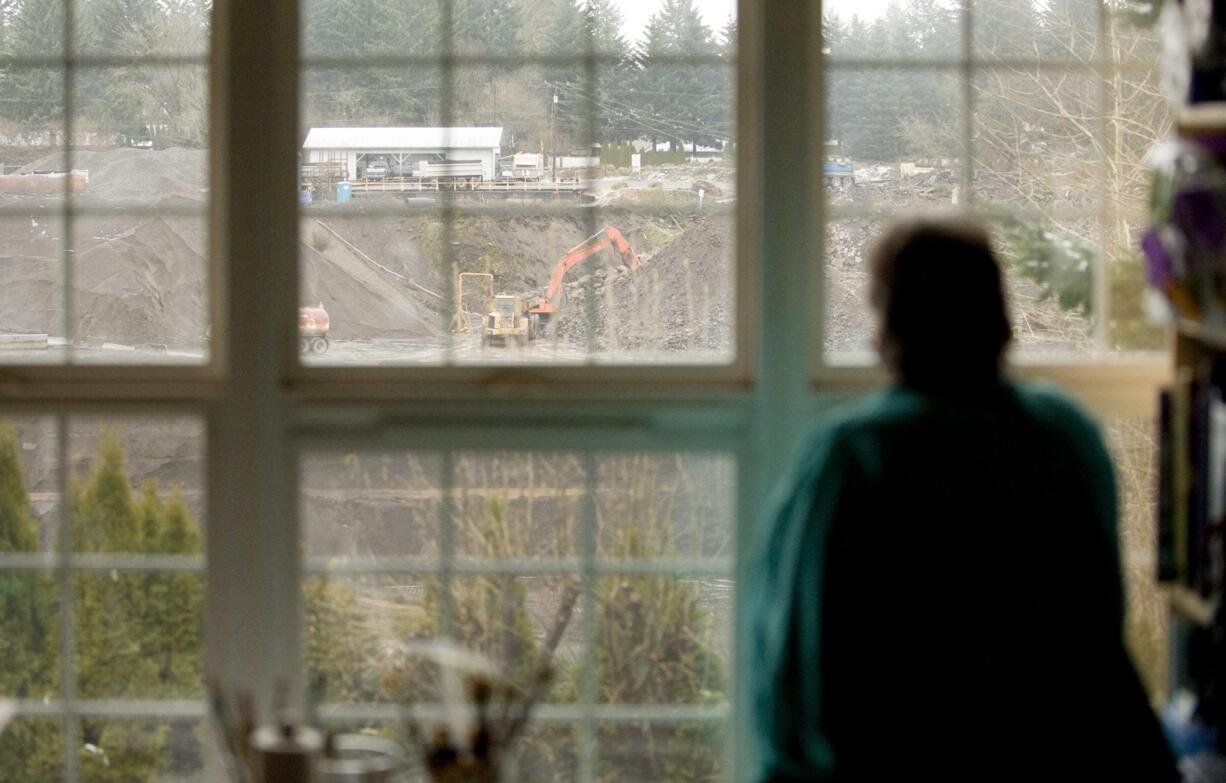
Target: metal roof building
[[405, 149]]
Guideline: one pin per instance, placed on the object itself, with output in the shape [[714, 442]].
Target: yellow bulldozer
[[508, 320]]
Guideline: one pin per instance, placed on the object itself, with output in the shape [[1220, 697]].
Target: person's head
[[937, 292]]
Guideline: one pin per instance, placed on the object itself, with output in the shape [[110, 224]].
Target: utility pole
[[553, 136]]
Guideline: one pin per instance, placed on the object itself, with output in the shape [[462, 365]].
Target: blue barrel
[[304, 196], [344, 191]]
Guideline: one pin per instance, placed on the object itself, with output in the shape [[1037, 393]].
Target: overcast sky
[[716, 12]]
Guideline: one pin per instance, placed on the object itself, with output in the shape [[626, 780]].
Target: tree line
[[118, 101], [674, 85]]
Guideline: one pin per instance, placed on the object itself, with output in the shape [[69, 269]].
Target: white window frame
[[261, 405]]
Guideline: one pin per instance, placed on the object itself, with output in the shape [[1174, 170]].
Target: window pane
[[32, 278], [662, 506], [32, 187], [663, 640], [137, 490], [138, 484], [134, 236], [660, 751], [880, 120], [140, 287], [1057, 171], [594, 198], [365, 29], [32, 110], [594, 563], [549, 752], [518, 504]]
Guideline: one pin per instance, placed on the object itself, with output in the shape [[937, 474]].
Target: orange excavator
[[609, 236]]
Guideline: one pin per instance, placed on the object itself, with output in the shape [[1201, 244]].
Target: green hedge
[[618, 155]]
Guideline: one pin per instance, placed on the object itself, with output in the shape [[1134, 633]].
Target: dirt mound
[[135, 175], [364, 297], [144, 284], [680, 300], [137, 280]]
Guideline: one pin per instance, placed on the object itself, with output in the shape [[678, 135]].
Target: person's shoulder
[[827, 448], [842, 424], [1048, 403]]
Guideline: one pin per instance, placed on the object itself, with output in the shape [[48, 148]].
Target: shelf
[[1206, 335], [1191, 606], [1201, 119]]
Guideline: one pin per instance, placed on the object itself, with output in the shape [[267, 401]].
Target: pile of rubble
[[680, 300]]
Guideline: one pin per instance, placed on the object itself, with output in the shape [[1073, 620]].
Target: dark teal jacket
[[937, 596]]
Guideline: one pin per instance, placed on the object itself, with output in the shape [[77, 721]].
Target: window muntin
[[579, 99]]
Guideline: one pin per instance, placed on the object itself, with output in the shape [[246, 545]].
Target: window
[[581, 157], [372, 473], [627, 553], [104, 202], [1034, 118], [103, 576]]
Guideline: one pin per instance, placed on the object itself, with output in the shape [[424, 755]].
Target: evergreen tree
[[6, 19], [602, 25], [135, 635], [935, 27], [30, 750], [339, 646], [173, 602], [562, 28], [728, 39], [1006, 29], [372, 96], [34, 97], [563, 36], [122, 26], [487, 27], [26, 634], [681, 100], [888, 115]]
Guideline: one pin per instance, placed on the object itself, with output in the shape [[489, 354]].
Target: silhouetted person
[[937, 594]]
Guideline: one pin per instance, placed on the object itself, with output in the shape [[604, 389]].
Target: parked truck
[[838, 174]]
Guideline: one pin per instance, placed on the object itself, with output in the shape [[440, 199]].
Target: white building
[[405, 150]]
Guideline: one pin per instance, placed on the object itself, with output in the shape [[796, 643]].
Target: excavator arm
[[607, 237]]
